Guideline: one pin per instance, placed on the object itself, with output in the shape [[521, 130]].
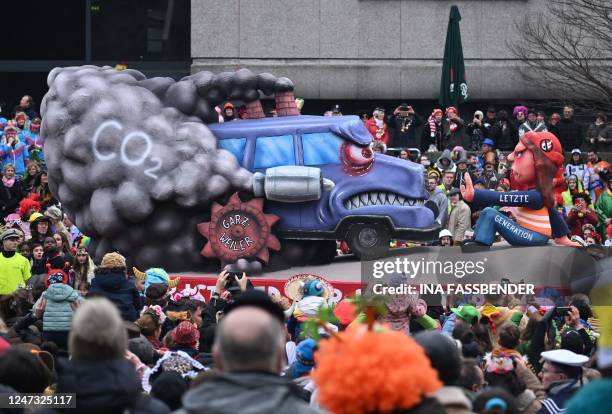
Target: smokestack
[[254, 110], [285, 104]]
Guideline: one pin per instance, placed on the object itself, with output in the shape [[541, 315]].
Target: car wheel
[[368, 241]]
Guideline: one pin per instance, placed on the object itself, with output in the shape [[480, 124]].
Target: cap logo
[[546, 145]]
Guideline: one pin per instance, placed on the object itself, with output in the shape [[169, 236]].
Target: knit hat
[[56, 275], [488, 141], [467, 313], [304, 357], [54, 213], [437, 111], [364, 371], [186, 333], [451, 108], [113, 261]]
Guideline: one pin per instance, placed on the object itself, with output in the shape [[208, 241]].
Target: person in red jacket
[[581, 214], [378, 126]]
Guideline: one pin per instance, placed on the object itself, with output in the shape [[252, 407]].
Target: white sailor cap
[[565, 357]]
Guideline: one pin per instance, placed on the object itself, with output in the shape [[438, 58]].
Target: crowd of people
[[130, 341], [478, 149]]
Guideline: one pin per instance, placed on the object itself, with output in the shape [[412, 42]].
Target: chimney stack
[[285, 104], [254, 110]]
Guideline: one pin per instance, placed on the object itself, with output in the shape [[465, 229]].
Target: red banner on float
[[206, 285]]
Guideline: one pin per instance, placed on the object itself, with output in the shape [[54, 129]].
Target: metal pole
[[87, 31]]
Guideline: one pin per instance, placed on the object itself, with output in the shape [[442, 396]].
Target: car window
[[235, 146], [321, 148], [274, 151]]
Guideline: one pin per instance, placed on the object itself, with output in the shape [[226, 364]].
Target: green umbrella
[[453, 88]]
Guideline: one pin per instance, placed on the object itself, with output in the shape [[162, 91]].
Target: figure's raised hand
[[467, 189]]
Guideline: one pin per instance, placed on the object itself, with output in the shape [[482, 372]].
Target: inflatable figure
[[536, 159], [143, 166]]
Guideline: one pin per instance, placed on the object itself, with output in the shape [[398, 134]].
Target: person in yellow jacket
[[14, 268]]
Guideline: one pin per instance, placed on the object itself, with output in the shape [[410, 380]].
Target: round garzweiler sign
[[546, 145]]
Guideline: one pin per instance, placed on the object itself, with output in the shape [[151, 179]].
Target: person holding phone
[[476, 131], [404, 123]]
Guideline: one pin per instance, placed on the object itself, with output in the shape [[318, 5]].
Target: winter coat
[[593, 132], [476, 134], [16, 154], [558, 396], [603, 207], [505, 135], [10, 197], [245, 393], [569, 133], [575, 223], [593, 398], [373, 128], [605, 133], [408, 138], [457, 137], [57, 305], [459, 220], [105, 387], [114, 286]]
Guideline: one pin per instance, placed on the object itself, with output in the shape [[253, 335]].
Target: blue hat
[[156, 275], [313, 287], [304, 355], [488, 141]]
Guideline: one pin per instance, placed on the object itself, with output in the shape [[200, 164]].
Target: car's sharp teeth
[[381, 198], [391, 197], [363, 197]]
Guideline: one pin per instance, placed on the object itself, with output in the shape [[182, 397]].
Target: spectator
[[577, 167], [495, 401], [569, 131], [14, 268], [111, 281], [41, 189], [453, 130], [83, 267], [27, 105], [185, 337], [489, 120], [462, 168], [561, 377], [445, 238], [431, 140], [596, 166], [405, 122], [63, 246], [248, 351], [573, 187], [169, 388], [11, 191], [40, 228], [24, 372], [98, 372], [581, 214], [603, 207], [541, 118], [22, 123], [471, 379], [445, 358], [531, 124], [439, 198], [229, 112], [39, 265], [501, 372], [56, 307], [519, 113], [593, 134], [486, 149], [489, 174], [466, 314], [553, 124], [445, 162], [30, 176], [604, 140], [447, 182], [13, 151], [53, 256], [34, 141], [459, 216], [150, 323], [476, 131], [504, 133], [403, 154], [378, 126]]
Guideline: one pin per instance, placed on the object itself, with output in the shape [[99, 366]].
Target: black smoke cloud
[[132, 161]]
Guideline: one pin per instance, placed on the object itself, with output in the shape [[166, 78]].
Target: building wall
[[362, 49]]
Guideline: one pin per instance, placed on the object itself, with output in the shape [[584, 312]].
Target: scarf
[[8, 182], [452, 126], [379, 122]]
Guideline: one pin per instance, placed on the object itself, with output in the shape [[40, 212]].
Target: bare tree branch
[[567, 49]]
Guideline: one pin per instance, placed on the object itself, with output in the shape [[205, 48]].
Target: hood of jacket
[[112, 384], [110, 280], [58, 292], [246, 393]]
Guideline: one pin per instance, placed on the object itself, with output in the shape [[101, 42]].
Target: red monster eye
[[357, 160]]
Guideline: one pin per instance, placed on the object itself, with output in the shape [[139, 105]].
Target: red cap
[[549, 144], [186, 333]]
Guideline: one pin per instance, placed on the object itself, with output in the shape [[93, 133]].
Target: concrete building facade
[[363, 49]]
